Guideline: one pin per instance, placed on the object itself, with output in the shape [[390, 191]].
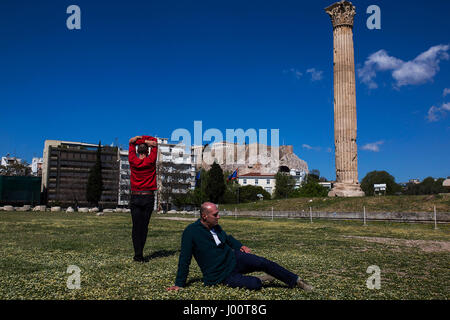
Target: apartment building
[[65, 171]]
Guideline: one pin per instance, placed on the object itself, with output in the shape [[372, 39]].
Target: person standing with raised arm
[[143, 186]]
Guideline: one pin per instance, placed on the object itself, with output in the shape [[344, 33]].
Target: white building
[[299, 176], [124, 178], [326, 184], [36, 166], [266, 181], [8, 161], [176, 155]]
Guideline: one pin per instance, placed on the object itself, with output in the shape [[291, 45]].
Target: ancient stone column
[[346, 185]]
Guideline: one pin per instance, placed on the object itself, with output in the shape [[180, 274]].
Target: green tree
[[284, 185], [198, 196], [250, 193], [215, 187], [313, 175], [428, 186], [15, 169], [94, 186], [311, 189], [192, 197], [379, 177], [232, 190]]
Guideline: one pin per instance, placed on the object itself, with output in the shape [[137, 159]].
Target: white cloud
[[378, 61], [433, 114], [295, 72], [420, 70], [437, 113], [372, 146], [446, 92], [307, 146], [316, 75]]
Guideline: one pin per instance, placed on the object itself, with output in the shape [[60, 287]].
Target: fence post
[[435, 223], [365, 215], [235, 212], [310, 213], [272, 213]]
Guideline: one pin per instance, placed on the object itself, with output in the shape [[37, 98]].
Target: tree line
[[212, 185], [429, 185]]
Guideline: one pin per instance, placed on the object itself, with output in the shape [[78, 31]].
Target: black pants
[[247, 263], [141, 210]]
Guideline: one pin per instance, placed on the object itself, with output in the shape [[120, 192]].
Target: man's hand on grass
[[173, 288], [245, 249]]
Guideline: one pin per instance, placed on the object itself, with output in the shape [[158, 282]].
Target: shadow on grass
[[161, 254]]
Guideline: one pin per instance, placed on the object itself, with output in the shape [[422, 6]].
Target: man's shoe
[[266, 278], [140, 259], [304, 285]]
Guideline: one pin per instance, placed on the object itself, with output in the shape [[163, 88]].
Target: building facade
[[9, 161], [124, 178], [266, 181], [176, 172], [299, 176], [36, 166], [65, 172]]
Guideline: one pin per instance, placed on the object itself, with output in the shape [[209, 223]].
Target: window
[[268, 181], [245, 181], [256, 181]]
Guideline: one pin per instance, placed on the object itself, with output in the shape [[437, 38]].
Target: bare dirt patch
[[424, 245]]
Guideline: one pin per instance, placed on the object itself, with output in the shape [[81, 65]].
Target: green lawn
[[37, 248]]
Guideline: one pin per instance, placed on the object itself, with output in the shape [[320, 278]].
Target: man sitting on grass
[[223, 259]]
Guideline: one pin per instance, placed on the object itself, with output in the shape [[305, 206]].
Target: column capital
[[341, 13]]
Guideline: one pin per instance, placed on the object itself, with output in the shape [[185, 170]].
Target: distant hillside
[[252, 158], [372, 204]]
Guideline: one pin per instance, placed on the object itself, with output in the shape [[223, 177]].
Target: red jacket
[[143, 171]]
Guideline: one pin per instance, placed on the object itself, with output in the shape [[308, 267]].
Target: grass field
[[37, 248], [423, 203]]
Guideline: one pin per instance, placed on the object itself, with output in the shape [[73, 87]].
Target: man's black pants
[[141, 210], [247, 263]]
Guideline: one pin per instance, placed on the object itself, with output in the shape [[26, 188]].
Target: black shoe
[[140, 259]]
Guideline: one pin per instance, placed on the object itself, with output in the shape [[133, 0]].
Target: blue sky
[[150, 67]]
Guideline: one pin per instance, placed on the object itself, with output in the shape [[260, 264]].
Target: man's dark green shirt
[[215, 261]]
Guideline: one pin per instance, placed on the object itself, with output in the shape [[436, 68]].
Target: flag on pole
[[233, 176], [197, 177]]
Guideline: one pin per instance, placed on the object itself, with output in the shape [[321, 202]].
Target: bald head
[[209, 215], [207, 207]]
